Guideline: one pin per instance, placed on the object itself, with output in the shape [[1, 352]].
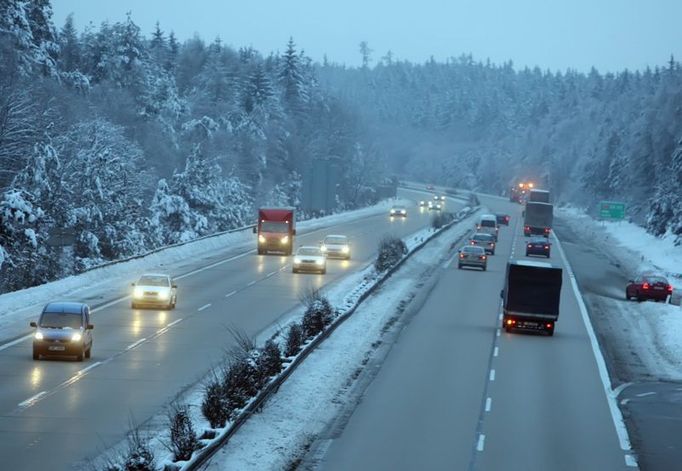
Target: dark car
[[538, 246], [64, 329], [487, 241], [503, 219], [648, 286]]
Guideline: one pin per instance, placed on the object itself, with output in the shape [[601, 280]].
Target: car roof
[[474, 247], [484, 234], [155, 274], [533, 263], [65, 307], [336, 235]]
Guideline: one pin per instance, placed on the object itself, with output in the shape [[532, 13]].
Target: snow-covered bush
[[183, 437], [270, 361], [214, 406], [139, 456], [240, 382], [441, 219], [294, 340], [318, 313], [391, 250]]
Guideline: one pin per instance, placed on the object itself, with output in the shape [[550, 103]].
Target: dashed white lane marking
[[492, 375], [204, 307], [500, 317], [135, 344], [645, 394], [481, 442], [498, 332], [85, 370], [251, 283], [496, 351], [488, 404], [31, 400], [231, 293], [272, 273], [176, 321]]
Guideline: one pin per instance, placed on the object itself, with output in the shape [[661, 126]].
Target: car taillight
[[546, 230], [482, 257], [670, 289], [527, 228], [461, 255], [546, 246], [530, 246], [548, 325], [645, 286]]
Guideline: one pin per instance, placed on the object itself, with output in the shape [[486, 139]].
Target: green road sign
[[612, 210]]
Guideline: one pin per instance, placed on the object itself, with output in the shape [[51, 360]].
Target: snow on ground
[[316, 392], [112, 281], [650, 333]]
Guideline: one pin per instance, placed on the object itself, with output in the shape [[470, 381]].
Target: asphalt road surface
[[56, 414], [456, 393]]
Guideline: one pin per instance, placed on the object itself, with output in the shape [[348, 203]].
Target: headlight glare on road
[[284, 240], [138, 292], [76, 337], [39, 336], [261, 239]]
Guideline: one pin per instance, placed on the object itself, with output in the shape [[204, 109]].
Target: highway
[[455, 392], [60, 414]]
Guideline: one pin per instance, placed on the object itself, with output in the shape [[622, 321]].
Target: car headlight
[[39, 336], [345, 249], [323, 248], [392, 212], [403, 212], [319, 261], [297, 261], [139, 292], [285, 239], [76, 337], [164, 295], [261, 239]]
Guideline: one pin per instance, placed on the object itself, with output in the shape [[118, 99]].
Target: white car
[[434, 206], [309, 258], [336, 246], [154, 290], [398, 211], [422, 204]]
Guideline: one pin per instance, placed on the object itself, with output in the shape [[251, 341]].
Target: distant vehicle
[[429, 187], [472, 256], [422, 204], [538, 246], [64, 329], [519, 193], [648, 286], [538, 219], [503, 219], [531, 296], [309, 258], [154, 290], [276, 228], [485, 241], [435, 206], [398, 211], [440, 198], [538, 196], [488, 224], [336, 246]]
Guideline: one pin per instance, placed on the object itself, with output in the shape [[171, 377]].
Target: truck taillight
[[511, 322], [645, 286]]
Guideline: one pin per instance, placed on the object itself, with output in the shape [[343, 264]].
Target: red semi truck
[[276, 228]]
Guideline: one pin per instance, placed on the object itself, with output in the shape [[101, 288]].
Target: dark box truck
[[531, 296], [276, 228], [538, 219]]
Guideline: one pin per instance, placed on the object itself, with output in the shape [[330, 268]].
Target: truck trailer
[[276, 228], [531, 296], [538, 219]]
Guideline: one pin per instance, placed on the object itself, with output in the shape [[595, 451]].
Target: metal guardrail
[[256, 404]]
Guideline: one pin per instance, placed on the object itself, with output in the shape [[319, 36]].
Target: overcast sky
[[555, 34]]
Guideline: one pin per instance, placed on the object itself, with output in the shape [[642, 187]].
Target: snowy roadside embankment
[[646, 335], [111, 282], [345, 295]]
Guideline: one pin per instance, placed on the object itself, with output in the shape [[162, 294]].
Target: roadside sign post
[[611, 211]]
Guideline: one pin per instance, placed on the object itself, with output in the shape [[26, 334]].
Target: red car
[[648, 286]]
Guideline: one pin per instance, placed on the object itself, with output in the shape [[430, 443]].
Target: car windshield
[[332, 240], [274, 226], [656, 279], [308, 251], [483, 238], [487, 223], [538, 240], [472, 250], [148, 280], [398, 208], [60, 320]]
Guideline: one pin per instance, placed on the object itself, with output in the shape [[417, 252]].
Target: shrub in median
[[270, 361], [183, 437], [318, 313], [294, 340], [240, 382], [214, 407], [140, 456], [391, 250], [441, 219]]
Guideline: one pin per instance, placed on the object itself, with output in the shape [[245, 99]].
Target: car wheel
[[324, 272], [133, 306], [547, 254], [627, 296], [293, 270], [485, 268], [80, 356], [459, 266], [507, 328], [550, 332], [36, 355], [88, 352]]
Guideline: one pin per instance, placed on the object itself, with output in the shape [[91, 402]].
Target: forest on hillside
[[134, 140]]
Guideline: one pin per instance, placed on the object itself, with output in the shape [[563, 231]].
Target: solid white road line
[[492, 375], [32, 399], [616, 415], [204, 307], [481, 442], [488, 404]]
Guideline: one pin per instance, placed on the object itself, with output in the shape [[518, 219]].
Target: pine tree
[[70, 50], [290, 76]]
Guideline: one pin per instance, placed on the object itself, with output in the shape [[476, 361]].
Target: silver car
[[336, 246], [484, 240], [472, 256], [154, 290], [309, 258]]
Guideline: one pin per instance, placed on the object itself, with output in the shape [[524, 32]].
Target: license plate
[[56, 348], [658, 287]]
